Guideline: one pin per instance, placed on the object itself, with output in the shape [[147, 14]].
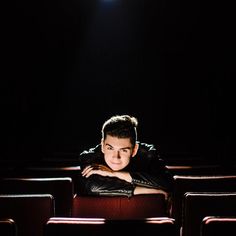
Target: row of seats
[[198, 205], [69, 204], [105, 227], [57, 226], [198, 183], [66, 203], [64, 226], [162, 226], [63, 190], [210, 226]]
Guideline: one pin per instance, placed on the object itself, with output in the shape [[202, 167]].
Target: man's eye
[[109, 148], [124, 150]]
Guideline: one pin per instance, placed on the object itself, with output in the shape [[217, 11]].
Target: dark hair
[[121, 126]]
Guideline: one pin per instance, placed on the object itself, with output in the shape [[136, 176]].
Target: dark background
[[68, 65]]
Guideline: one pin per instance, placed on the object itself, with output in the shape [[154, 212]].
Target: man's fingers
[[95, 169], [88, 170]]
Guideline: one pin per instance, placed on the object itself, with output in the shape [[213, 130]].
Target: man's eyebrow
[[126, 148], [107, 144]]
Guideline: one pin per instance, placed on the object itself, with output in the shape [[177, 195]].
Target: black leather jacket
[[146, 169]]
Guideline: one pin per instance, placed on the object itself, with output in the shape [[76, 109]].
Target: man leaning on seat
[[121, 165]]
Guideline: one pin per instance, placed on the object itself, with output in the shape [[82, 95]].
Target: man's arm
[[106, 171], [144, 190], [106, 186], [121, 175], [162, 180]]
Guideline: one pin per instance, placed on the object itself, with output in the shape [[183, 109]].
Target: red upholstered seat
[[61, 188], [29, 212], [161, 226], [191, 183], [139, 206], [198, 205]]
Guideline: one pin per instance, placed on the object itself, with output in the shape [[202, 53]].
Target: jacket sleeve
[[107, 186], [159, 181], [149, 170]]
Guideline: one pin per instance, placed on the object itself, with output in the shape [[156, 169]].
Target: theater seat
[[120, 207], [61, 188], [218, 226], [8, 227], [206, 183], [198, 205], [29, 212], [161, 226]]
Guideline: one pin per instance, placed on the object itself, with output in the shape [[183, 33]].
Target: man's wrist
[[123, 175]]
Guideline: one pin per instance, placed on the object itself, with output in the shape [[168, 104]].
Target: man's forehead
[[118, 143]]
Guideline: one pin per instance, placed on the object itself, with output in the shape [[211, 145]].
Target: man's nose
[[116, 154]]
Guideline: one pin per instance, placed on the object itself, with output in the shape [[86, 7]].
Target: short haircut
[[121, 126]]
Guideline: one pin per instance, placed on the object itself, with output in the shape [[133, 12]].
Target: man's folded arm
[[162, 181], [107, 186]]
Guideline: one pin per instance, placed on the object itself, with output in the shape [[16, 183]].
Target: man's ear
[[102, 145], [135, 150]]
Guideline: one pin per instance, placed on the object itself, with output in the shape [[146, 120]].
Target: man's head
[[121, 126], [119, 141]]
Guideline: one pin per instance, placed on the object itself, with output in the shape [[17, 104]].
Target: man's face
[[117, 152]]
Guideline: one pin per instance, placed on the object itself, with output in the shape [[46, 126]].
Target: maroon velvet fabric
[[30, 212], [61, 188], [139, 206]]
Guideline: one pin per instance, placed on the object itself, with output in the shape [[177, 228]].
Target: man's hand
[[105, 171], [97, 169]]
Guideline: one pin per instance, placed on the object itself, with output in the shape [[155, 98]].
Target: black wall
[[69, 65]]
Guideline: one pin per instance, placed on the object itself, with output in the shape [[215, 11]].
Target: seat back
[[218, 226], [61, 188], [44, 170], [183, 184], [8, 227], [120, 207], [198, 205], [29, 212], [102, 227]]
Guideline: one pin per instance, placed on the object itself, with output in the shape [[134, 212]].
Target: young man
[[120, 165]]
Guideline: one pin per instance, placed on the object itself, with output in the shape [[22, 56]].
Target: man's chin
[[116, 168]]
